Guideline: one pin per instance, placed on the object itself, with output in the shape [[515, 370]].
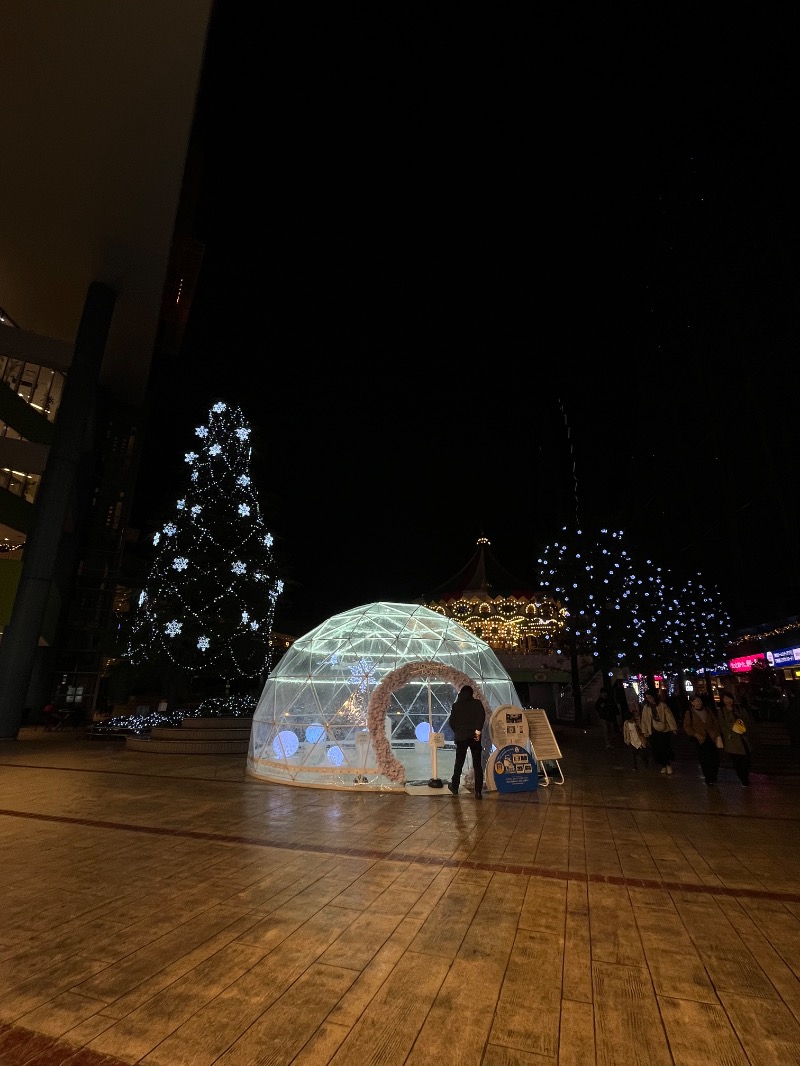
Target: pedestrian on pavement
[[736, 726], [633, 735], [467, 718], [620, 700], [792, 719], [667, 705], [658, 723], [700, 723], [607, 713]]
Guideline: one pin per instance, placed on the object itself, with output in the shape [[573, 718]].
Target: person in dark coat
[[467, 718], [736, 727], [606, 710], [700, 723]]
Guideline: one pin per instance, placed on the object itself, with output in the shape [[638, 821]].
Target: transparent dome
[[352, 703]]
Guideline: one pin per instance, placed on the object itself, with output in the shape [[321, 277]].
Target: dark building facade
[[97, 140]]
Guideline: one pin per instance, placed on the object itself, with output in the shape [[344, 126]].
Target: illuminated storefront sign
[[784, 657], [745, 662]]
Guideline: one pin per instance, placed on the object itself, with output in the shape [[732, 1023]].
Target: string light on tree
[[632, 611], [594, 579]]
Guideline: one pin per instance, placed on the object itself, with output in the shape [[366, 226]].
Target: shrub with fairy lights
[[208, 604], [142, 722]]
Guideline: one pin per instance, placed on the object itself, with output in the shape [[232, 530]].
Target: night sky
[[450, 308]]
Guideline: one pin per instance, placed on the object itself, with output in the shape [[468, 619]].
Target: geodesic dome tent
[[352, 703]]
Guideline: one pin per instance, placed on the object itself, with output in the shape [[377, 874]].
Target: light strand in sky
[[568, 430]]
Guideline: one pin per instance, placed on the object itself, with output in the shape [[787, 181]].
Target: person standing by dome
[[467, 718]]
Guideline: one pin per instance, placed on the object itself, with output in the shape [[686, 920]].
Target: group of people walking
[[649, 728], [726, 728]]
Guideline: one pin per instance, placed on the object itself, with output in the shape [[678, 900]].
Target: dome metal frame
[[311, 724]]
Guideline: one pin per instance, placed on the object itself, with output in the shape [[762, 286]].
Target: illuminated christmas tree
[[208, 604]]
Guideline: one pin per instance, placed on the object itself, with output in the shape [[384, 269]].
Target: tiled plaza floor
[[169, 910]]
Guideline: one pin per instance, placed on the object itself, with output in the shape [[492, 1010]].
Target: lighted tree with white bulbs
[[701, 626], [593, 577], [208, 604], [633, 612], [625, 610]]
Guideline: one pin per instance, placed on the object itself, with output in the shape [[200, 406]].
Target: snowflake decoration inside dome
[[180, 563], [244, 509], [173, 628], [202, 431], [239, 567], [363, 672]]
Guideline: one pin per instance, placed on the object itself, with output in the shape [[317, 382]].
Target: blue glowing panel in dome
[[335, 755], [315, 732], [285, 744], [423, 732]]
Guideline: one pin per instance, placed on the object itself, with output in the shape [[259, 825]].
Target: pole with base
[[434, 740]]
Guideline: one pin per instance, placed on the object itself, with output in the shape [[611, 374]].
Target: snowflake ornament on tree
[[209, 602]]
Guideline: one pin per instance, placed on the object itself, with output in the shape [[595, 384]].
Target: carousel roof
[[483, 577]]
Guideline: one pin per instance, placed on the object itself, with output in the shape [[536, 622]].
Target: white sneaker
[[669, 770], [663, 769]]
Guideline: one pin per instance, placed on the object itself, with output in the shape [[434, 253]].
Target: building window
[[36, 385]]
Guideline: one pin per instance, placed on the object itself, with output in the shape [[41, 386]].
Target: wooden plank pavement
[[171, 911]]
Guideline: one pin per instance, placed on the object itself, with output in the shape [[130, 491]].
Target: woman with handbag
[[736, 727], [658, 723], [700, 723]]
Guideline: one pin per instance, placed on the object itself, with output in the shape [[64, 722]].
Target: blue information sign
[[514, 770], [784, 657]]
